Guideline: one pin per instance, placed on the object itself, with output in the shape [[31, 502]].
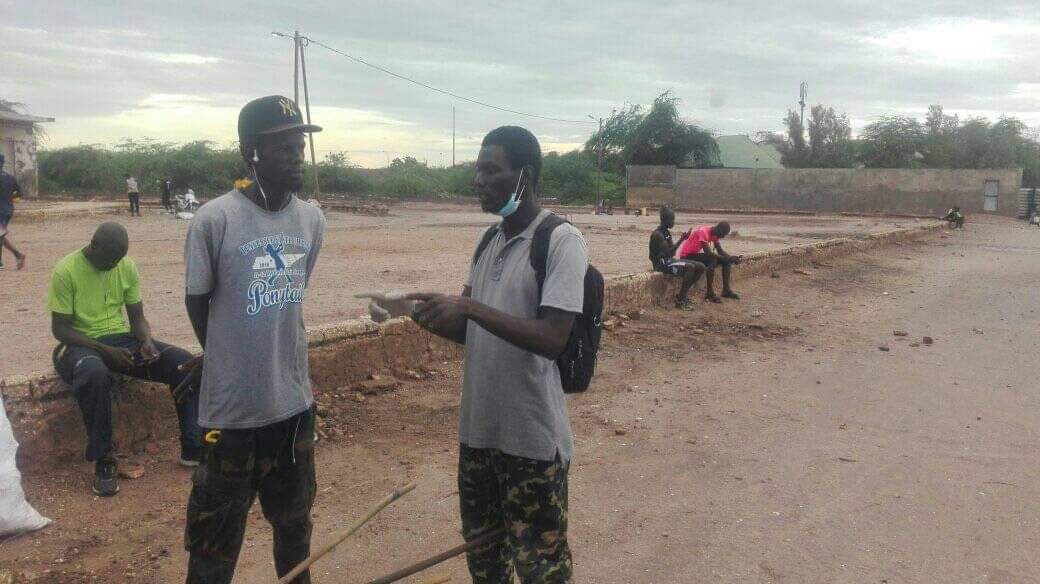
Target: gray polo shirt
[[512, 399]]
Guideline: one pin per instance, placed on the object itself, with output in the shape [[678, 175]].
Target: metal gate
[[989, 200]]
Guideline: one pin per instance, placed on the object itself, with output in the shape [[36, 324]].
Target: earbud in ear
[[256, 156]]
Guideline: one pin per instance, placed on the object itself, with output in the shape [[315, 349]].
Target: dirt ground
[[418, 247], [765, 441]]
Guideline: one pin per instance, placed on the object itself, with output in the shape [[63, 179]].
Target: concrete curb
[[346, 352]]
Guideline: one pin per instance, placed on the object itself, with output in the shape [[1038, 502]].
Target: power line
[[439, 90]]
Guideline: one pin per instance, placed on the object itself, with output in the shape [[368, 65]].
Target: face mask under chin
[[514, 201]]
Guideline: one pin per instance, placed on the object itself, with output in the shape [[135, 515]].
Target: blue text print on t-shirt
[[273, 265]]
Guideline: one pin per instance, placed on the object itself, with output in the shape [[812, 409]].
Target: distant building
[[18, 145], [740, 152]]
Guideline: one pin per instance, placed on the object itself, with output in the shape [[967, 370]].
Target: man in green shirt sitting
[[89, 288]]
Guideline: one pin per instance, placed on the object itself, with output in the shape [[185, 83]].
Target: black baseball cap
[[273, 114]]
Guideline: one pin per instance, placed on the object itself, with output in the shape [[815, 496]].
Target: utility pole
[[599, 157], [307, 101], [296, 67], [300, 68], [453, 136]]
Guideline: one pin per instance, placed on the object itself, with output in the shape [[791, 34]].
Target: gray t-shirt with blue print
[[256, 265]]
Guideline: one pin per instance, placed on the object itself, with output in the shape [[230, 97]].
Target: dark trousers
[[276, 461], [5, 220], [166, 202], [135, 203], [710, 261], [91, 382], [527, 497]]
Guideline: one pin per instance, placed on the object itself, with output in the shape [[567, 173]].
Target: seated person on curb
[[88, 290], [955, 217], [697, 248], [662, 256]]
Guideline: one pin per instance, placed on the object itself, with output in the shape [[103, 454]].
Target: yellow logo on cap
[[288, 107]]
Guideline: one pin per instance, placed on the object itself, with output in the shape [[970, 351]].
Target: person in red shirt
[[697, 247]]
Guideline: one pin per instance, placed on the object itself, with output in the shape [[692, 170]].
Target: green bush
[[212, 171], [336, 174], [409, 178], [460, 180], [93, 169], [572, 179]]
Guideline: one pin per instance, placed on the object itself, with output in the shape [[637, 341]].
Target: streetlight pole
[[453, 136]]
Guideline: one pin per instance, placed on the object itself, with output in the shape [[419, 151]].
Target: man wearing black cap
[[248, 257]]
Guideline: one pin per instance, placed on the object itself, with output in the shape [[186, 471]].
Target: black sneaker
[[731, 295], [712, 298], [106, 479]]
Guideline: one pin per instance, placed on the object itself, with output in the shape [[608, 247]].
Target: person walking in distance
[[9, 189], [516, 443], [134, 194], [166, 186], [248, 257]]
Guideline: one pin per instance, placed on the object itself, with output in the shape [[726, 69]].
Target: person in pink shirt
[[697, 247]]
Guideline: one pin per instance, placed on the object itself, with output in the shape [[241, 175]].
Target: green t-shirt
[[95, 299]]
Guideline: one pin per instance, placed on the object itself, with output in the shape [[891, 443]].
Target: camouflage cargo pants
[[276, 461], [529, 498]]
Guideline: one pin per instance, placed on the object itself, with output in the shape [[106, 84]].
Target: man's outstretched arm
[[546, 335], [449, 326]]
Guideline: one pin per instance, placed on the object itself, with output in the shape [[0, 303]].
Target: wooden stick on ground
[[299, 569], [433, 561]]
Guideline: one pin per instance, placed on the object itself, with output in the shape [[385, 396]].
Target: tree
[[937, 150], [657, 136], [827, 143], [830, 139], [971, 144], [892, 142], [794, 151]]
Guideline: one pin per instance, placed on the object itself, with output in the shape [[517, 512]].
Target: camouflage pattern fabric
[[276, 461], [529, 498]]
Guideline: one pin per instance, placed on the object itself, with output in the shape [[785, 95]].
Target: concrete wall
[[650, 186], [18, 145], [911, 191]]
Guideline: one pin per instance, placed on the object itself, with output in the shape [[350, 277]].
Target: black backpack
[[577, 362]]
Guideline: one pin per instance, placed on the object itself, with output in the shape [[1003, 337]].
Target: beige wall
[[912, 191], [18, 145]]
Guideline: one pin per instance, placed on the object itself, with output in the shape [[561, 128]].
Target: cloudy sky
[[180, 70]]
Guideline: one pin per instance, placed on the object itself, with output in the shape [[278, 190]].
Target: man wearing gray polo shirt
[[516, 442]]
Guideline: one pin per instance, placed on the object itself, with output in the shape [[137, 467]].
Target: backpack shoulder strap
[[485, 241], [540, 246]]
